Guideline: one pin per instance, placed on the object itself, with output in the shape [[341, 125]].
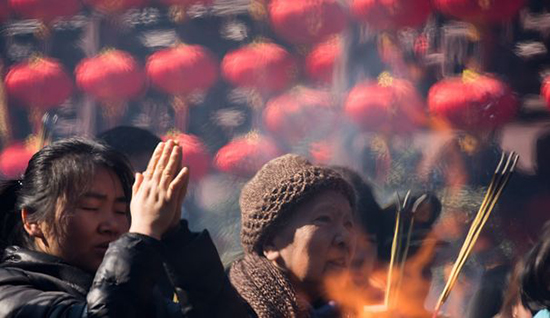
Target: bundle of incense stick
[[496, 186], [399, 252]]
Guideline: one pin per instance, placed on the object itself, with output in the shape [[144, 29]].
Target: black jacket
[[34, 284]]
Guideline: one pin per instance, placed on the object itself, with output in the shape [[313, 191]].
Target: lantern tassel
[[181, 113]]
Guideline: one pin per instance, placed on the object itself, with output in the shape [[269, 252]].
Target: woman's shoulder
[[34, 270]]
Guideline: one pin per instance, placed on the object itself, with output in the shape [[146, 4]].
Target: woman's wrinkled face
[[318, 240], [99, 217]]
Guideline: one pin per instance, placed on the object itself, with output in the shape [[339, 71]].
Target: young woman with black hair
[[85, 243]]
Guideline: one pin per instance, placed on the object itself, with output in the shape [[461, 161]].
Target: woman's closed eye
[[88, 208], [323, 219]]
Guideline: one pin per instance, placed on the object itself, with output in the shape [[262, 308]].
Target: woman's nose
[[109, 225], [344, 237]]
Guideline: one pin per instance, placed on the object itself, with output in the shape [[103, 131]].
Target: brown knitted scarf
[[266, 289]]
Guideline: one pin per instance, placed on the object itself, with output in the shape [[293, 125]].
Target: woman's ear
[[32, 228], [270, 251]]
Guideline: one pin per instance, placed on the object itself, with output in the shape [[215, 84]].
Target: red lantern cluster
[[390, 105], [112, 76], [45, 10], [183, 69], [473, 102], [195, 154], [117, 6], [266, 67], [392, 14], [14, 160], [320, 62], [492, 11], [39, 83], [306, 21], [300, 113], [246, 155]]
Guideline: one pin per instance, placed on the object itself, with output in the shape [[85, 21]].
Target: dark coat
[[34, 284]]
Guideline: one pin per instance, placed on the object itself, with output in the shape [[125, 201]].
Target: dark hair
[[368, 211], [60, 173], [543, 154], [130, 140], [535, 277]]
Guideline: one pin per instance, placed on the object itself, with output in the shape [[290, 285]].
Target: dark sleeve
[[124, 283], [122, 287], [194, 266]]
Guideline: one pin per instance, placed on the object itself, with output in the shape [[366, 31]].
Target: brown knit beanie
[[270, 197]]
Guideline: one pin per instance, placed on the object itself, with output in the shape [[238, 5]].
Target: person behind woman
[[535, 276], [78, 255], [297, 228]]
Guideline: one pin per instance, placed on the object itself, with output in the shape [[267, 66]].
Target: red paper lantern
[[473, 101], [246, 155], [392, 14], [321, 152], [306, 21], [266, 67], [321, 61], [14, 160], [389, 105], [112, 76], [183, 69], [115, 6], [45, 10], [492, 11], [39, 83], [545, 90], [195, 154], [300, 113]]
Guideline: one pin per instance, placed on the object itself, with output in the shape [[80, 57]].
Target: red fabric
[[321, 60], [480, 10], [306, 21], [392, 14], [111, 76], [195, 154], [183, 69], [45, 10], [266, 67], [246, 155], [39, 82], [300, 113], [14, 160], [477, 104], [117, 6], [396, 108]]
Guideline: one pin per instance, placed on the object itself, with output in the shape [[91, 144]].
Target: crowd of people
[[86, 234]]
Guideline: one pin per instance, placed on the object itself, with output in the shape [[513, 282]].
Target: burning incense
[[394, 248], [496, 186]]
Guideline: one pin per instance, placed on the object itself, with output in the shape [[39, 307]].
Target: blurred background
[[419, 95]]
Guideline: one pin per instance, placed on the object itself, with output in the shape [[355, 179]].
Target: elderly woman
[[297, 228]]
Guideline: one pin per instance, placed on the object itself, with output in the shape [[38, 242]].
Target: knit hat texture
[[270, 197]]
